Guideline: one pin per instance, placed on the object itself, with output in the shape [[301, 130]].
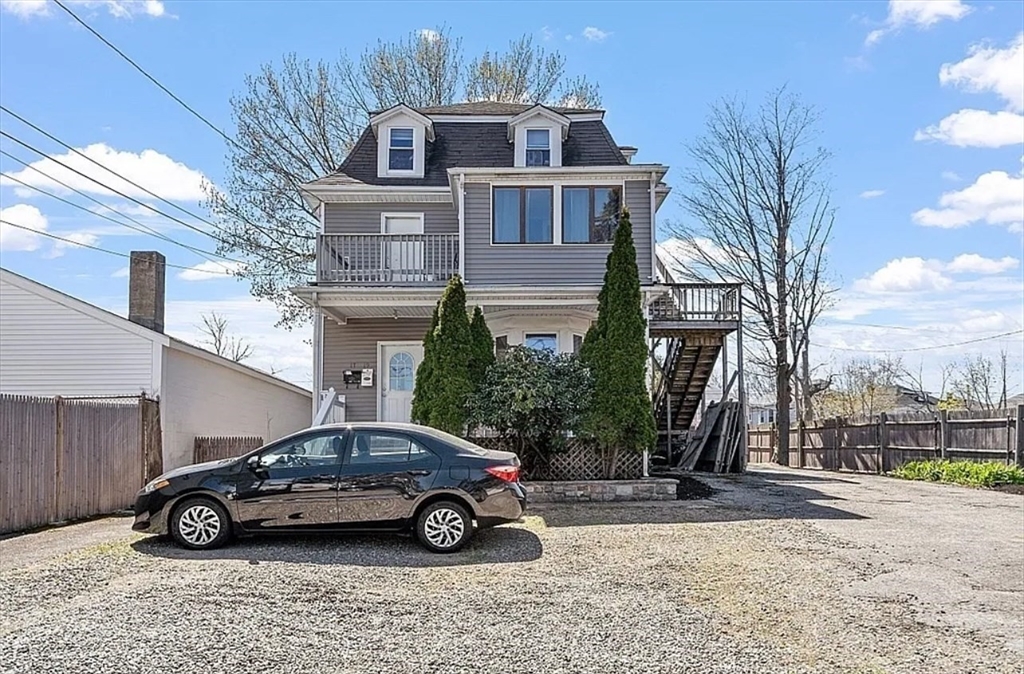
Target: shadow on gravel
[[501, 545]]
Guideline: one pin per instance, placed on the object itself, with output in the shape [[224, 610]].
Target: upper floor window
[[522, 215], [589, 214], [538, 147], [400, 149]]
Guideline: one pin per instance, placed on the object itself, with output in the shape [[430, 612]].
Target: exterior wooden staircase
[[688, 325]]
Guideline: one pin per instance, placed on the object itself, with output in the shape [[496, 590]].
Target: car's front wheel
[[444, 526], [200, 524]]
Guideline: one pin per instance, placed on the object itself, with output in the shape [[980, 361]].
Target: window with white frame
[[541, 341], [538, 147], [400, 149]]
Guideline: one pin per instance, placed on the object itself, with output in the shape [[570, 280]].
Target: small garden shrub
[[969, 473]]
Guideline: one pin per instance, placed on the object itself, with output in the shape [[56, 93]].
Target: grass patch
[[968, 473]]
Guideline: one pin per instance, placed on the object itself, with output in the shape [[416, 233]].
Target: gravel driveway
[[781, 571]]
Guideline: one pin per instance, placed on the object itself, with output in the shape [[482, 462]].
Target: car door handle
[[418, 472]]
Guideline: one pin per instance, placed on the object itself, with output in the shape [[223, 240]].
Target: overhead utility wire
[[104, 250], [921, 348], [142, 227]]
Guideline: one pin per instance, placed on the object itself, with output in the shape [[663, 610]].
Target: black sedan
[[355, 477]]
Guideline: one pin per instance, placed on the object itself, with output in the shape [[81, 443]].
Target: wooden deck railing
[[387, 259], [703, 302]]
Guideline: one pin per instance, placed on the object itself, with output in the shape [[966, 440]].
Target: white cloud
[[15, 239], [127, 208], [918, 14], [547, 34], [987, 69], [204, 271], [150, 169], [595, 34], [972, 263], [123, 272], [905, 274], [61, 247], [995, 197], [429, 34], [977, 128], [951, 176], [120, 9], [871, 194]]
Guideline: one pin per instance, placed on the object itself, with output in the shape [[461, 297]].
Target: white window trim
[[556, 206], [399, 172], [528, 335], [554, 144], [385, 215], [526, 141]]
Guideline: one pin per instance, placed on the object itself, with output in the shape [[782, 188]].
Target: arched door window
[[400, 372]]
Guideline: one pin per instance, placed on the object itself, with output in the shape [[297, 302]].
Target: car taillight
[[504, 473]]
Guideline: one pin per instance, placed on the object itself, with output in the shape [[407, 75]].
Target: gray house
[[520, 200]]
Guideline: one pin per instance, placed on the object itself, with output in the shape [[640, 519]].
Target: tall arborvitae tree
[[425, 376], [451, 349], [483, 349], [620, 417]]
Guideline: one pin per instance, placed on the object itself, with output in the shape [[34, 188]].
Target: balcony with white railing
[[713, 307], [387, 259]]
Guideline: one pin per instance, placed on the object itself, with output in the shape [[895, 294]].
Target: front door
[[398, 364], [404, 249], [293, 484]]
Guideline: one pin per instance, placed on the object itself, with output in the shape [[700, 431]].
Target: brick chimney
[[146, 289]]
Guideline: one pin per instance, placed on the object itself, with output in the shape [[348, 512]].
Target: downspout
[[654, 229], [318, 356], [462, 225]]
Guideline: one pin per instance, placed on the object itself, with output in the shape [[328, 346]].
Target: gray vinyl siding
[[566, 264], [365, 218], [354, 346]]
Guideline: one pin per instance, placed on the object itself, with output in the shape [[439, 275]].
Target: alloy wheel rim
[[199, 524], [444, 527]]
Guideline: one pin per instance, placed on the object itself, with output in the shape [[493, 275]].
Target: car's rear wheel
[[444, 526], [200, 524]]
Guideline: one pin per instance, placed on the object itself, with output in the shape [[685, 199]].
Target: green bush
[[969, 473], [532, 399]]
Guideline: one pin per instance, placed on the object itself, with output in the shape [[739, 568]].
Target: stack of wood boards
[[715, 445]]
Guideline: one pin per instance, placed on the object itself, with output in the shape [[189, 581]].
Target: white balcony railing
[[387, 259]]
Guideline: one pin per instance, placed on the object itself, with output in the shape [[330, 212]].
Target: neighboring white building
[[54, 344]]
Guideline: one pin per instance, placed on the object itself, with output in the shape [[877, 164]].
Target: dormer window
[[400, 149], [538, 147]]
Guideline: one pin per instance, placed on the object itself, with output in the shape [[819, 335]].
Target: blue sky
[[921, 106]]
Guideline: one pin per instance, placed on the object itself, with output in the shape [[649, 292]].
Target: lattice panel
[[578, 462]]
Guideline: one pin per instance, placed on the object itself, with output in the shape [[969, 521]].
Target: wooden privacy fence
[[69, 458], [216, 448], [883, 443]]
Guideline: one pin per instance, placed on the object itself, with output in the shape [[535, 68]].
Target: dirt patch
[[1010, 488], [689, 487]]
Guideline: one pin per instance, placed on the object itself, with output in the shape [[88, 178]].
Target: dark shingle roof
[[473, 145], [491, 108]]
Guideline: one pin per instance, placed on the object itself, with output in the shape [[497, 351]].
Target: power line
[[108, 187], [142, 227], [146, 74], [134, 184], [921, 348], [104, 250]]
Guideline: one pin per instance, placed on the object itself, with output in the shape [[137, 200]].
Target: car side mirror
[[256, 466]]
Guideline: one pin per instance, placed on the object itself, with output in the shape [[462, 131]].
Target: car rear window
[[454, 440]]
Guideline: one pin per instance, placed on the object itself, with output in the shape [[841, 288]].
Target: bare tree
[[864, 386], [220, 341], [980, 383], [761, 216], [297, 120]]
